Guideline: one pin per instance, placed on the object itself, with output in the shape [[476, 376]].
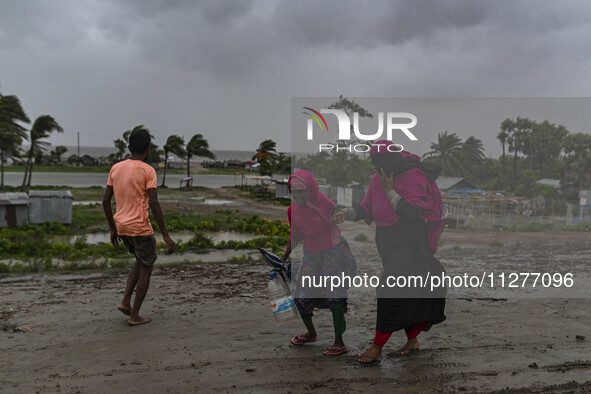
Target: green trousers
[[338, 320]]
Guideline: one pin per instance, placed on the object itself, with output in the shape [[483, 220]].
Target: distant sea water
[[100, 151]]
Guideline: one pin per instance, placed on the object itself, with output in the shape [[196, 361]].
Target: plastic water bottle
[[282, 304]]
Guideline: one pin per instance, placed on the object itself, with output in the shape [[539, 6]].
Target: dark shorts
[[142, 246]]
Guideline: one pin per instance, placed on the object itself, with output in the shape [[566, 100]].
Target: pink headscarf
[[312, 221], [415, 188]]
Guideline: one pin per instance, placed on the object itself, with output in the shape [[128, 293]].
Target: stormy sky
[[228, 69]]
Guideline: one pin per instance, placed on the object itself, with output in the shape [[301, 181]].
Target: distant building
[[174, 162], [233, 164], [555, 183], [585, 197], [14, 209], [281, 189], [49, 205], [350, 195], [445, 183], [12, 161], [88, 160]]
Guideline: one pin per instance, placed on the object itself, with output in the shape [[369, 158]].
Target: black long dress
[[404, 250]]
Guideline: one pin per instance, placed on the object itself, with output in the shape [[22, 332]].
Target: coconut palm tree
[[506, 129], [42, 128], [265, 155], [174, 144], [519, 140], [197, 146], [11, 132], [472, 152], [447, 152]]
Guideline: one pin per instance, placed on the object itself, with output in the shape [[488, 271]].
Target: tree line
[[175, 144], [13, 133], [531, 150]]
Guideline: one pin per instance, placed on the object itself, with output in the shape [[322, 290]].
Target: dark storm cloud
[[215, 37], [102, 67], [228, 38], [367, 24]]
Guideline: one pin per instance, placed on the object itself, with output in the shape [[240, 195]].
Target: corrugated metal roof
[[50, 194], [550, 182], [447, 182], [14, 199]]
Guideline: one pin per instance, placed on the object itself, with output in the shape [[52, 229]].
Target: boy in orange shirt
[[133, 182]]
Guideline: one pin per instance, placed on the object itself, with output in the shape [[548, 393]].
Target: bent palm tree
[[197, 146], [472, 152], [11, 132], [42, 128], [174, 144], [265, 155], [447, 152]]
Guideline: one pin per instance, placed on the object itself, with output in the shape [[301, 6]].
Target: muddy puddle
[[98, 238]]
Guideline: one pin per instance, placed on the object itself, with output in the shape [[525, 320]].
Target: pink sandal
[[335, 351], [300, 340]]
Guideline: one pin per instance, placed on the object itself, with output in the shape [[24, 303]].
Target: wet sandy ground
[[212, 331]]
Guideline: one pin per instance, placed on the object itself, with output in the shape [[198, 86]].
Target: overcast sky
[[228, 69]]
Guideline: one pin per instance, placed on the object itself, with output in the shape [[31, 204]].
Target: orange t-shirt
[[131, 180]]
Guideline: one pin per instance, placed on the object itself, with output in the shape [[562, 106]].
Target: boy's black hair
[[139, 141]]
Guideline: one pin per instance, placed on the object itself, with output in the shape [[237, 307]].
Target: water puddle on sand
[[214, 201], [97, 238], [200, 200], [86, 202]]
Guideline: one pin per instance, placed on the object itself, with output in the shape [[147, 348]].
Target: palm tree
[[577, 158], [121, 147], [472, 152], [447, 152], [197, 146], [265, 155], [11, 132], [283, 163], [506, 129], [174, 144], [519, 140], [153, 155], [42, 128]]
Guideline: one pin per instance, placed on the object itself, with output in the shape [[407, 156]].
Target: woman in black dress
[[405, 203]]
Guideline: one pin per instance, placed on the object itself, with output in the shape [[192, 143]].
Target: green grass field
[[55, 247]]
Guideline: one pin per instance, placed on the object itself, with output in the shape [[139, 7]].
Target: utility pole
[[78, 144]]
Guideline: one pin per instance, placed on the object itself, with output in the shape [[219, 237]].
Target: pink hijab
[[312, 221], [415, 188]]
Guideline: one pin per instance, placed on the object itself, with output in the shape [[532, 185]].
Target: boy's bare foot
[[412, 344], [138, 321], [126, 309], [371, 355]]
